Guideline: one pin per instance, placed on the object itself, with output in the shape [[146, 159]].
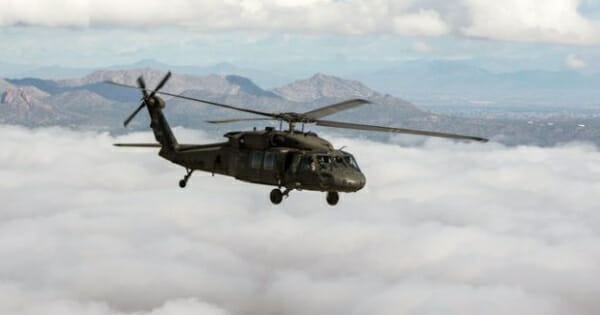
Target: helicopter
[[287, 159]]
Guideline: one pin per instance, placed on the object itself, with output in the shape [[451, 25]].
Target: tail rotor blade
[[142, 85], [128, 120]]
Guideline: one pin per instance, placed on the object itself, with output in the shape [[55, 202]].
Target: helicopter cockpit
[[328, 161], [333, 170]]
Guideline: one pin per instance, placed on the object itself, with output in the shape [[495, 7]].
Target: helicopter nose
[[354, 181]]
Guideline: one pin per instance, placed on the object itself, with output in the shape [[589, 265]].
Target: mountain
[[217, 84], [460, 82], [54, 72], [93, 104], [88, 103], [321, 90], [262, 78], [4, 85], [27, 105], [321, 85]]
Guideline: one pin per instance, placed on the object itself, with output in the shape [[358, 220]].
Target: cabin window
[[296, 163], [308, 164], [324, 162], [269, 161], [256, 159]]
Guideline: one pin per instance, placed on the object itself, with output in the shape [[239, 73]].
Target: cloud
[[86, 228], [553, 21], [574, 62], [302, 16]]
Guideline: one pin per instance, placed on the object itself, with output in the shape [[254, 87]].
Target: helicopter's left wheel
[[182, 183], [276, 196], [333, 198]]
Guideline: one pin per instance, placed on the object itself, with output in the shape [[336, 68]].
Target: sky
[[444, 228], [298, 37]]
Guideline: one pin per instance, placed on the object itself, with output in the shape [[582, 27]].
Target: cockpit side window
[[349, 159]]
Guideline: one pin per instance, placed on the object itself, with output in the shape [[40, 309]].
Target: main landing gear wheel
[[276, 196], [333, 198], [183, 182]]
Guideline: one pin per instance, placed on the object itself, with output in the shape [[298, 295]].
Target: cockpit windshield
[[325, 162], [351, 161]]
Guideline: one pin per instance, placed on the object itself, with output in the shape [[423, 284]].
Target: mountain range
[[427, 82], [55, 72], [88, 103], [461, 83]]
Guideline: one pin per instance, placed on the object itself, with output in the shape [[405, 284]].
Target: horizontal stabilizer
[[138, 145]]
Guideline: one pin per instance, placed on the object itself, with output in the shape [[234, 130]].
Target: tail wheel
[[276, 196], [333, 198]]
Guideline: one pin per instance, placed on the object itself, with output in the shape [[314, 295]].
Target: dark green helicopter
[[289, 160]]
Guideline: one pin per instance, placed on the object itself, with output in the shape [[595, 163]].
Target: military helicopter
[[287, 159]]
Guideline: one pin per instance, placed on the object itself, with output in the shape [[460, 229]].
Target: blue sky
[[298, 37]]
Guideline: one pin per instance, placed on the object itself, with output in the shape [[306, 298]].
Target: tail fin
[[158, 122], [162, 131]]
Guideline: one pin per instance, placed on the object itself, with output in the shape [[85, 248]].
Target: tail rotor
[[147, 98]]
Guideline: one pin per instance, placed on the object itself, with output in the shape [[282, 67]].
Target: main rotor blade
[[344, 125], [251, 111], [122, 85], [161, 84], [128, 120], [227, 121], [335, 108]]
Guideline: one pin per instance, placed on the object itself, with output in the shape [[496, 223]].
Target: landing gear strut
[[277, 195], [183, 182], [333, 198]]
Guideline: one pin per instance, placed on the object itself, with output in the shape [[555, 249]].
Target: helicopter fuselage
[[292, 160]]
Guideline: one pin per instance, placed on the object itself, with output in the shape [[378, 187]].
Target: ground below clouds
[[445, 228]]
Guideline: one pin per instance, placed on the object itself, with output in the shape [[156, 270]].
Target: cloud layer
[[447, 228], [555, 21]]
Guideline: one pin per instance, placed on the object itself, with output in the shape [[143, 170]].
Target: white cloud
[[303, 16], [447, 228], [553, 21], [425, 22], [575, 62]]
